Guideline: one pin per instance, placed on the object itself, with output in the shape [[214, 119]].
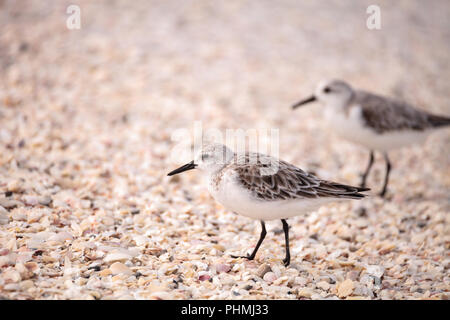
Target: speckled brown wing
[[289, 182], [384, 114]]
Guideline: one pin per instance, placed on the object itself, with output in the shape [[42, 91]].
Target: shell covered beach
[[87, 118]]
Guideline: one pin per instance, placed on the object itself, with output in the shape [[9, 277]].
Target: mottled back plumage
[[384, 114], [286, 183]]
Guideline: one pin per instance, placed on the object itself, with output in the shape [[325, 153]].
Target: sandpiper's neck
[[340, 105], [216, 168]]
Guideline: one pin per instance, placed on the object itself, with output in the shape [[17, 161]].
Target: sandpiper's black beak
[[189, 166], [305, 101]]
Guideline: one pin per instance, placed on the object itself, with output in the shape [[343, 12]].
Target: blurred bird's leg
[[366, 173], [386, 178]]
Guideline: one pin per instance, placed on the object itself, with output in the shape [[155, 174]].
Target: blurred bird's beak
[[186, 167], [305, 101]]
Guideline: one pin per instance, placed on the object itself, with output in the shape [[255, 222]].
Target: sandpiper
[[376, 122], [262, 187]]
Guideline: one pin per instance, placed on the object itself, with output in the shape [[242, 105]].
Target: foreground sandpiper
[[376, 122], [262, 187]]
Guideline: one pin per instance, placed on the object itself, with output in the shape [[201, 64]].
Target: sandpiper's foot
[[362, 184], [382, 194]]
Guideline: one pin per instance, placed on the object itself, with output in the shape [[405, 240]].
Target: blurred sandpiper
[[376, 122]]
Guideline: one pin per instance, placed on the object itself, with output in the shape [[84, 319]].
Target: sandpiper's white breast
[[234, 197], [350, 125]]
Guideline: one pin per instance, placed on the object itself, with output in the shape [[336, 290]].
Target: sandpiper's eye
[[205, 156], [327, 90]]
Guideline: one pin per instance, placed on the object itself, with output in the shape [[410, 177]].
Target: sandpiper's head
[[211, 158], [330, 93]]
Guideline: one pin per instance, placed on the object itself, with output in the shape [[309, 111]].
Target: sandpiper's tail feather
[[439, 121], [332, 189]]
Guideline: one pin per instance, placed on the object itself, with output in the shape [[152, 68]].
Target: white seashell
[[117, 256], [120, 268]]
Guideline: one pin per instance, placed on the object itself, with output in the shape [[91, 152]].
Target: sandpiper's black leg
[[366, 173], [386, 178], [261, 239], [286, 260]]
